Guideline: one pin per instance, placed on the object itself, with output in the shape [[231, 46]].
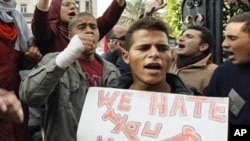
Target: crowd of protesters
[[60, 52]]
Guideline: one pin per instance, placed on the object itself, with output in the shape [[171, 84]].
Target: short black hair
[[148, 23], [242, 17], [72, 21]]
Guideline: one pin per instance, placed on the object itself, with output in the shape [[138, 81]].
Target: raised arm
[[153, 7], [40, 26], [110, 17], [43, 5]]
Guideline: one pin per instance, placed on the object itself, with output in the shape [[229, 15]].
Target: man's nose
[[225, 43], [153, 52]]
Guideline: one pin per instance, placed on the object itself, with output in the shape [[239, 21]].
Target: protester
[[149, 56], [62, 79], [192, 58], [232, 78], [50, 23], [116, 38], [50, 28], [17, 52]]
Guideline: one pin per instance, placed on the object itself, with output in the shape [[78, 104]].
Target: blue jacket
[[117, 61]]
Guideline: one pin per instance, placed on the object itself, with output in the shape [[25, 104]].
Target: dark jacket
[[177, 85], [233, 81], [117, 61]]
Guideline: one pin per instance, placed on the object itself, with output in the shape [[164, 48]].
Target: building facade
[[26, 7]]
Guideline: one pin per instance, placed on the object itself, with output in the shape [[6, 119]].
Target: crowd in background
[[60, 53]]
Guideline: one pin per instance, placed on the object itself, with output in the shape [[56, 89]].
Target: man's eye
[[93, 26], [232, 38], [144, 47], [81, 26], [163, 47]]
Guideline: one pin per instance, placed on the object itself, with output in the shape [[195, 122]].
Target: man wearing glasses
[[116, 40]]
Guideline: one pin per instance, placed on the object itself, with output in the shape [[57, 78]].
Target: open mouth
[[181, 46], [153, 66], [72, 14], [228, 54]]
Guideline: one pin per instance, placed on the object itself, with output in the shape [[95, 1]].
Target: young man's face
[[87, 30], [237, 43], [189, 43], [149, 56], [68, 10]]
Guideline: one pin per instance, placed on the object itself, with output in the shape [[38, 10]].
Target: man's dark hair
[[72, 21], [148, 23], [206, 36], [242, 17]]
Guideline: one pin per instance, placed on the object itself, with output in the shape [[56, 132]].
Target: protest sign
[[128, 115]]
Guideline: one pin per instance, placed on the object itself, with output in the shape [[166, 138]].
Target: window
[[78, 5], [23, 8], [88, 6]]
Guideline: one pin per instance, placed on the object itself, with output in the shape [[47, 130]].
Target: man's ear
[[125, 56], [204, 47], [70, 35]]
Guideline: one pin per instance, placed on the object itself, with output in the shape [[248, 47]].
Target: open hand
[[154, 6], [121, 2]]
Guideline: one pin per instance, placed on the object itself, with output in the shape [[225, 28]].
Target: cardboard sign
[[128, 115]]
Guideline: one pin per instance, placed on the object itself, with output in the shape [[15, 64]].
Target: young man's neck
[[88, 57], [164, 87]]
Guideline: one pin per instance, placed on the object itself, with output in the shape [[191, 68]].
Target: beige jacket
[[196, 75]]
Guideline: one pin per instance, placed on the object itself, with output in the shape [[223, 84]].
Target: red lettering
[[217, 113], [162, 105], [99, 138], [198, 103], [107, 100], [178, 104], [151, 133], [125, 100], [130, 129]]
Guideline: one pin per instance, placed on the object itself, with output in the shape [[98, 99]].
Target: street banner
[[128, 115]]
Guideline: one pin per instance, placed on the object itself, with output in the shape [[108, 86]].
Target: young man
[[149, 57], [192, 58], [50, 22], [116, 38], [50, 28], [232, 78], [62, 79]]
